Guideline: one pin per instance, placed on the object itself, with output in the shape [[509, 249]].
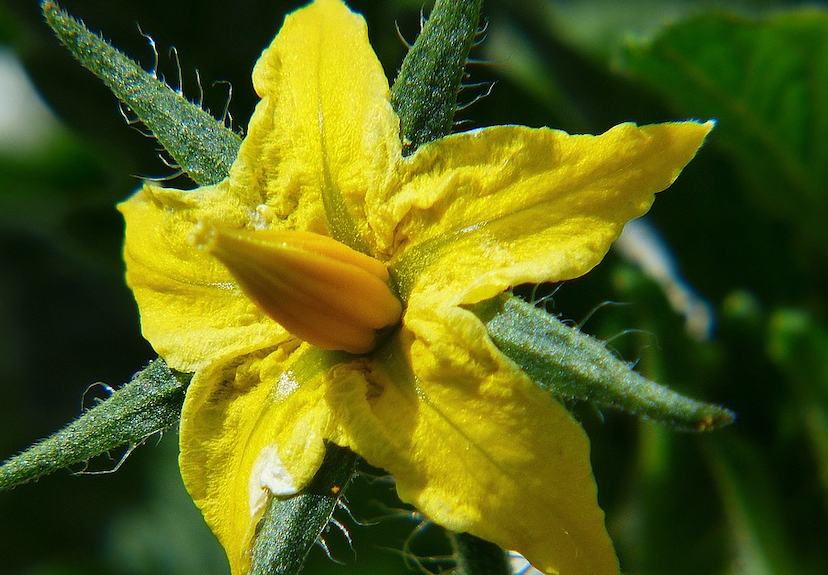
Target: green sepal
[[575, 366], [147, 405], [291, 527], [424, 95], [201, 145]]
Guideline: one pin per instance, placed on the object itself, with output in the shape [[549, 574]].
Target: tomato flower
[[386, 362]]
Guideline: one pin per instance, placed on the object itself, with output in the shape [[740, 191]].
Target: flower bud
[[317, 288]]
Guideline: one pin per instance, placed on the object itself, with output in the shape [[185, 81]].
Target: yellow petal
[[478, 447], [250, 430], [486, 210], [324, 132], [192, 311]]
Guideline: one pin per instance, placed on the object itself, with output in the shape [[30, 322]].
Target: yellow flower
[[471, 441]]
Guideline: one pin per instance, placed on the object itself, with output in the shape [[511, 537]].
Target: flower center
[[317, 288]]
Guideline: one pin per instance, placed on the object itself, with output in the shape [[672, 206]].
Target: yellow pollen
[[317, 288]]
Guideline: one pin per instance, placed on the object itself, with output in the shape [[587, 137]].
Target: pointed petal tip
[[697, 129], [708, 125]]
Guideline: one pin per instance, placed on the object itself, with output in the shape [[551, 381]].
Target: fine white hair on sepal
[[323, 543], [320, 541], [151, 41], [94, 399]]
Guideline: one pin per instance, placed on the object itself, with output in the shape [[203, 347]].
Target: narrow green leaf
[[148, 404], [424, 95], [574, 365], [201, 145], [765, 81]]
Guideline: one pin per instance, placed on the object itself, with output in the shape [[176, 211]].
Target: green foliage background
[[747, 222]]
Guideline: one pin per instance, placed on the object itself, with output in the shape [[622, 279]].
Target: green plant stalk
[[201, 145], [147, 405], [753, 508]]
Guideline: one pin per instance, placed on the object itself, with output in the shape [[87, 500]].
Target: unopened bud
[[317, 288]]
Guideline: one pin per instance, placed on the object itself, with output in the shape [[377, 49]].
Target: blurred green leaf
[[798, 344], [753, 508], [765, 81], [599, 27]]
